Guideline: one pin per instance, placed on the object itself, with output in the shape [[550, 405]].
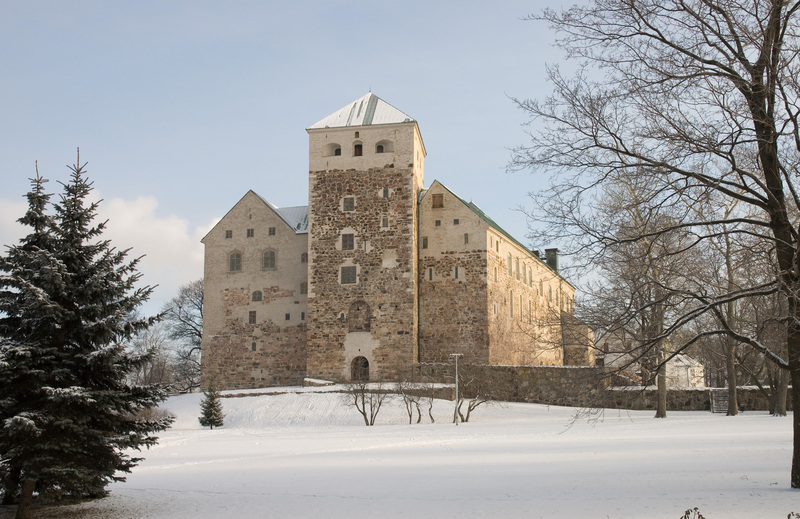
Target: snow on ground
[[307, 455]]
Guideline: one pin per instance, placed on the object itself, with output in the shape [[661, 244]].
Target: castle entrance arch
[[358, 317], [360, 369]]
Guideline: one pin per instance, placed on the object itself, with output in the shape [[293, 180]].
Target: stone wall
[[382, 222], [254, 304], [554, 385], [684, 399], [576, 387]]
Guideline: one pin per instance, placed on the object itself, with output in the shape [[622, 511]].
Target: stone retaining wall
[[577, 387]]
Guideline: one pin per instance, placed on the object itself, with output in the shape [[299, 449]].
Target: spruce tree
[[211, 408], [68, 413]]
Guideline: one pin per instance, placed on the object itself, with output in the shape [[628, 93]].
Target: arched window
[[269, 260], [257, 295], [358, 317], [235, 262], [359, 369], [333, 149], [384, 146]]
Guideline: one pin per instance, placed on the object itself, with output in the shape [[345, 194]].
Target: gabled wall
[[230, 358]]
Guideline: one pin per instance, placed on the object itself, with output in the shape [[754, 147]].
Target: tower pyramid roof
[[365, 111]]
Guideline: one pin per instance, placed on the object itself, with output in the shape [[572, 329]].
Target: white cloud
[[173, 254]]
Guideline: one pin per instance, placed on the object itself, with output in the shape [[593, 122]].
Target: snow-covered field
[[299, 455]]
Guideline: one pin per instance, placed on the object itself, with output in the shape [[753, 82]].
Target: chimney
[[536, 253], [551, 258]]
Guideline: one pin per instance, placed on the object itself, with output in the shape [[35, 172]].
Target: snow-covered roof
[[296, 217], [365, 111]]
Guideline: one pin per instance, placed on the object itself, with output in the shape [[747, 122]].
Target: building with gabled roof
[[377, 274]]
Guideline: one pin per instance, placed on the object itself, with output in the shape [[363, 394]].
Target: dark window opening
[[272, 231], [269, 260], [253, 346], [357, 150], [288, 317], [348, 242], [349, 203], [228, 234], [337, 152], [236, 262], [251, 233], [304, 257], [438, 201], [348, 275], [304, 287], [257, 295], [360, 369], [251, 318], [424, 242]]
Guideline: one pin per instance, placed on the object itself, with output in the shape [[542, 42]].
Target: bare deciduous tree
[[183, 315], [366, 398], [704, 94]]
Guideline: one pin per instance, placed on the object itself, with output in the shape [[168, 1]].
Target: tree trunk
[[11, 486], [25, 499], [661, 377], [661, 383], [730, 365], [780, 393], [794, 369]]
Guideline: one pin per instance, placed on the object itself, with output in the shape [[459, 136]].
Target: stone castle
[[377, 274]]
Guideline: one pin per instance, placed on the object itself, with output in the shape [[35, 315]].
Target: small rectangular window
[[385, 191], [357, 150], [348, 275], [250, 233], [304, 287], [349, 203], [252, 317], [288, 317], [253, 346], [438, 223], [385, 222], [455, 221], [272, 231], [348, 241], [424, 242], [430, 274], [302, 316], [466, 238], [456, 276], [438, 201], [228, 234]]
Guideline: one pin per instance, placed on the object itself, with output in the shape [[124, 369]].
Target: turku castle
[[378, 273]]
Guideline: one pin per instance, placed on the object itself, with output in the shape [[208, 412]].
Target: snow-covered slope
[[307, 455]]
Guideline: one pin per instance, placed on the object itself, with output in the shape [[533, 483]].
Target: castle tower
[[365, 175]]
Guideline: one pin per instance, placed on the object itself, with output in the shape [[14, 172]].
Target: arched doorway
[[358, 317], [360, 369]]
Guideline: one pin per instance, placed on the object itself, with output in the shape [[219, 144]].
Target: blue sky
[[180, 107]]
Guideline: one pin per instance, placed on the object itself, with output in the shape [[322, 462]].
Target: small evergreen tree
[[68, 414], [211, 408]]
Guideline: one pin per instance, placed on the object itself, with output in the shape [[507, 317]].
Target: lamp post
[[455, 411]]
